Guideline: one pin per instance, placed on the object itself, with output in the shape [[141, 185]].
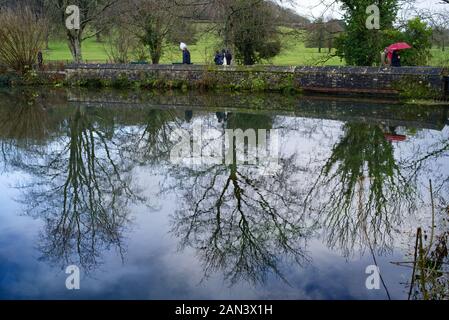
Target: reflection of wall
[[373, 112]]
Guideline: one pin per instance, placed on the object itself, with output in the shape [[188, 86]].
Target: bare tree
[[156, 24], [439, 23], [90, 11], [322, 34]]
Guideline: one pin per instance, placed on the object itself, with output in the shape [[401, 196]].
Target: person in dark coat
[[228, 56], [186, 56], [396, 59], [218, 58], [40, 60], [188, 115], [220, 116]]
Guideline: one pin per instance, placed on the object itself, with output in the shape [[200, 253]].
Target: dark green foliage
[[419, 36], [121, 82], [153, 37], [359, 45], [92, 83], [412, 88], [8, 79]]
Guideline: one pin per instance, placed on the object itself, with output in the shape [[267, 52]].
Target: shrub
[[22, 35], [419, 35]]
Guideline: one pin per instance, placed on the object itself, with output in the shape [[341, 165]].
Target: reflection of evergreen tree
[[363, 189], [363, 153]]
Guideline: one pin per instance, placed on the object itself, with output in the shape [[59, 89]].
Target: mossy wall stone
[[336, 80]]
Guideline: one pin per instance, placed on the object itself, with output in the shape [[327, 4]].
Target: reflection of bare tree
[[361, 191], [425, 158], [153, 143], [81, 190], [239, 222]]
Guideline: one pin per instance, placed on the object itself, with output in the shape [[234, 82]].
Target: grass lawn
[[294, 53]]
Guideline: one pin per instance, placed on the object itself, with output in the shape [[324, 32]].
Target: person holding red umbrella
[[393, 57]]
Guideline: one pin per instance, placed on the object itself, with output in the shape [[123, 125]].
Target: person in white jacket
[[223, 54]]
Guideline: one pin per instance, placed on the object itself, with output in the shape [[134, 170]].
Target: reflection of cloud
[[153, 271]]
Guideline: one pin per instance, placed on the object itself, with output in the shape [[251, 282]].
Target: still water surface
[[86, 179]]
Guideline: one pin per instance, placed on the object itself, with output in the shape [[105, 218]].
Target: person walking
[[395, 59], [40, 60], [218, 58], [385, 58], [228, 57], [186, 58], [223, 54]]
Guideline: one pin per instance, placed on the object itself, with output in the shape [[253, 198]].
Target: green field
[[294, 53]]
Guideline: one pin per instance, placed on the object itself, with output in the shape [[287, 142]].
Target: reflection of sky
[[155, 268]]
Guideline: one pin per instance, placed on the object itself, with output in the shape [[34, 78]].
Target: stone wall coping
[[373, 70], [436, 71], [181, 67]]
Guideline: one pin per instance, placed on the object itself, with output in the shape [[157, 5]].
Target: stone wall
[[372, 80], [196, 76], [408, 81]]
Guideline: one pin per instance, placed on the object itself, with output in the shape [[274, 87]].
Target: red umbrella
[[399, 46], [395, 137]]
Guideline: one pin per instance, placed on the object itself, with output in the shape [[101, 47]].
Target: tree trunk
[[320, 40], [155, 59], [47, 41], [156, 53], [74, 39], [248, 59]]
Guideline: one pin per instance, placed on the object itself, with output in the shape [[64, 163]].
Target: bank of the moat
[[407, 83]]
